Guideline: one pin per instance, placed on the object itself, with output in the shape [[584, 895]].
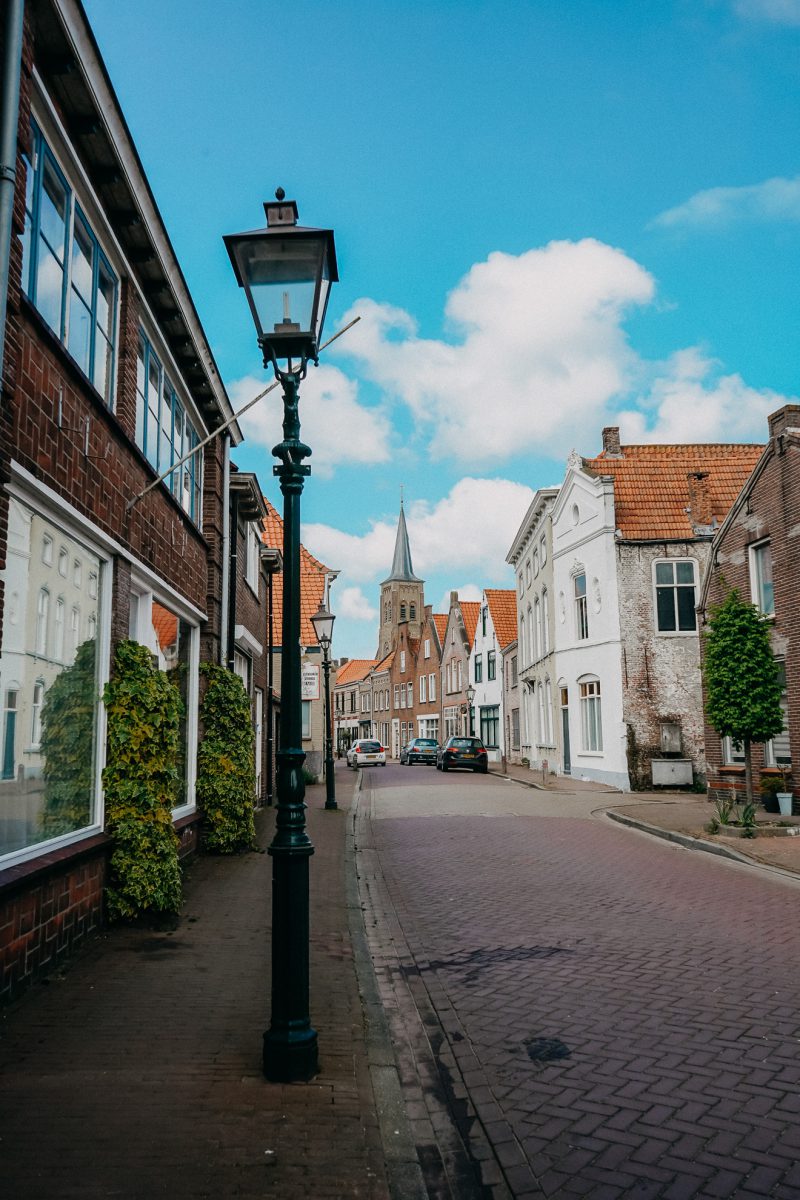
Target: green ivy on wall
[[67, 745], [226, 782], [142, 786]]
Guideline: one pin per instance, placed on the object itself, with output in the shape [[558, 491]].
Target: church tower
[[402, 594]]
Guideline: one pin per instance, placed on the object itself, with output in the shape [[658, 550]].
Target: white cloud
[[540, 351], [773, 200], [692, 402], [466, 591], [472, 527], [338, 429], [782, 12], [351, 604]]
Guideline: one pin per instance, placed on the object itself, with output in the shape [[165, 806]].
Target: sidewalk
[[136, 1072], [681, 817]]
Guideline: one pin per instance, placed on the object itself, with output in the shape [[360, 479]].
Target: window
[[514, 671], [36, 714], [543, 548], [42, 614], [427, 648], [431, 687], [536, 629], [164, 432], [412, 612], [64, 271], [515, 729], [77, 573], [523, 645], [93, 584], [535, 563], [540, 714], [491, 665], [402, 660], [484, 615], [47, 550], [63, 561], [396, 696], [545, 622], [778, 752], [479, 668], [548, 711], [528, 573], [762, 590], [423, 691], [460, 676], [253, 556], [520, 584], [591, 716], [305, 731], [402, 612], [74, 631], [674, 583], [490, 726], [410, 694], [243, 667], [53, 735], [402, 695], [581, 613], [732, 755]]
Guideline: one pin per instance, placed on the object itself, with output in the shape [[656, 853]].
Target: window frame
[[489, 715], [581, 608], [674, 587], [757, 581], [591, 710], [491, 665]]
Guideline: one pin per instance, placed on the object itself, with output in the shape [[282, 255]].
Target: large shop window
[[64, 271], [50, 741], [164, 432], [173, 643]]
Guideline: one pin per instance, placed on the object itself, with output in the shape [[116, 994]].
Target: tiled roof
[[385, 663], [652, 492], [440, 621], [355, 670], [502, 604], [470, 611], [312, 582]]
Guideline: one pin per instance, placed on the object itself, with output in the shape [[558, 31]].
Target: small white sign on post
[[309, 681]]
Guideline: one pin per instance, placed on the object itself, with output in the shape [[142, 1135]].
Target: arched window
[[545, 622], [548, 711], [540, 714], [412, 612], [537, 628], [36, 712], [402, 612], [42, 614]]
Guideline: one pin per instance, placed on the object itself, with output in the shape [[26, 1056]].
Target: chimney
[[784, 419], [611, 446], [700, 513], [453, 598]]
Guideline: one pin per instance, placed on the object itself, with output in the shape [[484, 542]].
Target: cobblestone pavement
[[136, 1072], [608, 1015]]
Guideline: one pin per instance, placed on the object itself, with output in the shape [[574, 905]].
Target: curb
[[692, 843]]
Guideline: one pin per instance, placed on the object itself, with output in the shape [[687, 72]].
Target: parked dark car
[[420, 750], [463, 752]]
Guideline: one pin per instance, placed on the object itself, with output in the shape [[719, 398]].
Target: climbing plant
[[67, 745], [141, 783], [226, 782]]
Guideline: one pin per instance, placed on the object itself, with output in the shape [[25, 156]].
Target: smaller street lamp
[[470, 702], [322, 621]]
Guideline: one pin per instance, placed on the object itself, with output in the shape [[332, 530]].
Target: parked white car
[[365, 753]]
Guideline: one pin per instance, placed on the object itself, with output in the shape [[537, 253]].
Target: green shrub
[[68, 745], [142, 786], [226, 779]]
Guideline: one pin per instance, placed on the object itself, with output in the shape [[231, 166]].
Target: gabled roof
[[354, 671], [652, 489], [470, 611], [401, 563], [312, 582], [502, 604], [384, 664], [440, 621]]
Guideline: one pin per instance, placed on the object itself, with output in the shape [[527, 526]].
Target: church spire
[[401, 563]]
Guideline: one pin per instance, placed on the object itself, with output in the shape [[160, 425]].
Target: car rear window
[[426, 742], [369, 747], [465, 743]]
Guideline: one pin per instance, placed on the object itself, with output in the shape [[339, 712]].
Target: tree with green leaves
[[742, 679], [226, 778]]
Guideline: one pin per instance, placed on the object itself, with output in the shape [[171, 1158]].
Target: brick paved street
[[619, 1014]]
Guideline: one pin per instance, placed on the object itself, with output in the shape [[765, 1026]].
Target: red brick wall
[[772, 510], [43, 920]]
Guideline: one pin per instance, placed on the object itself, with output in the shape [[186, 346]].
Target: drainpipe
[[226, 548], [9, 118], [233, 559]]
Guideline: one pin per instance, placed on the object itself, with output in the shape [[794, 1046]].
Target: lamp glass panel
[[281, 276]]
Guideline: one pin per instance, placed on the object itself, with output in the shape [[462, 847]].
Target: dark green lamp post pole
[[286, 271], [322, 621]]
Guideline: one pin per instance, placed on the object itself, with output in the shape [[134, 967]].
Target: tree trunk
[[748, 772]]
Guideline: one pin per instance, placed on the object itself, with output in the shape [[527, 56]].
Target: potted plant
[[770, 786], [785, 796]]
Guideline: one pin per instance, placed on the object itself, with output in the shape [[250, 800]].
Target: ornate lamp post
[[471, 710], [286, 271], [322, 621]]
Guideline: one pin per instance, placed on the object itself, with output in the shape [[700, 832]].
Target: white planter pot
[[785, 803]]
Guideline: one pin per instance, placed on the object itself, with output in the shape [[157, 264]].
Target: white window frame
[[581, 608], [674, 586], [756, 576], [591, 710], [432, 688], [423, 690], [253, 557], [427, 648]]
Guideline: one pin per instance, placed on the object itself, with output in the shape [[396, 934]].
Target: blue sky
[[549, 216]]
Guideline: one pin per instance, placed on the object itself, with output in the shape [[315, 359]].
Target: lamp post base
[[292, 1057]]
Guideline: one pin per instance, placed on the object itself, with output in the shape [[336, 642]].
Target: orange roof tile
[[385, 663], [312, 581], [470, 611], [502, 604], [440, 621], [355, 670], [651, 489]]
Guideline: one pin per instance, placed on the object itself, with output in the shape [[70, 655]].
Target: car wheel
[[444, 766], [484, 769]]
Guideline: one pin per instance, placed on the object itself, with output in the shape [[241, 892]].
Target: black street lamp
[[322, 621], [470, 709], [286, 271]]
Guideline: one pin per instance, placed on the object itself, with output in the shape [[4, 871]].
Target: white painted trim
[[30, 490], [244, 639]]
